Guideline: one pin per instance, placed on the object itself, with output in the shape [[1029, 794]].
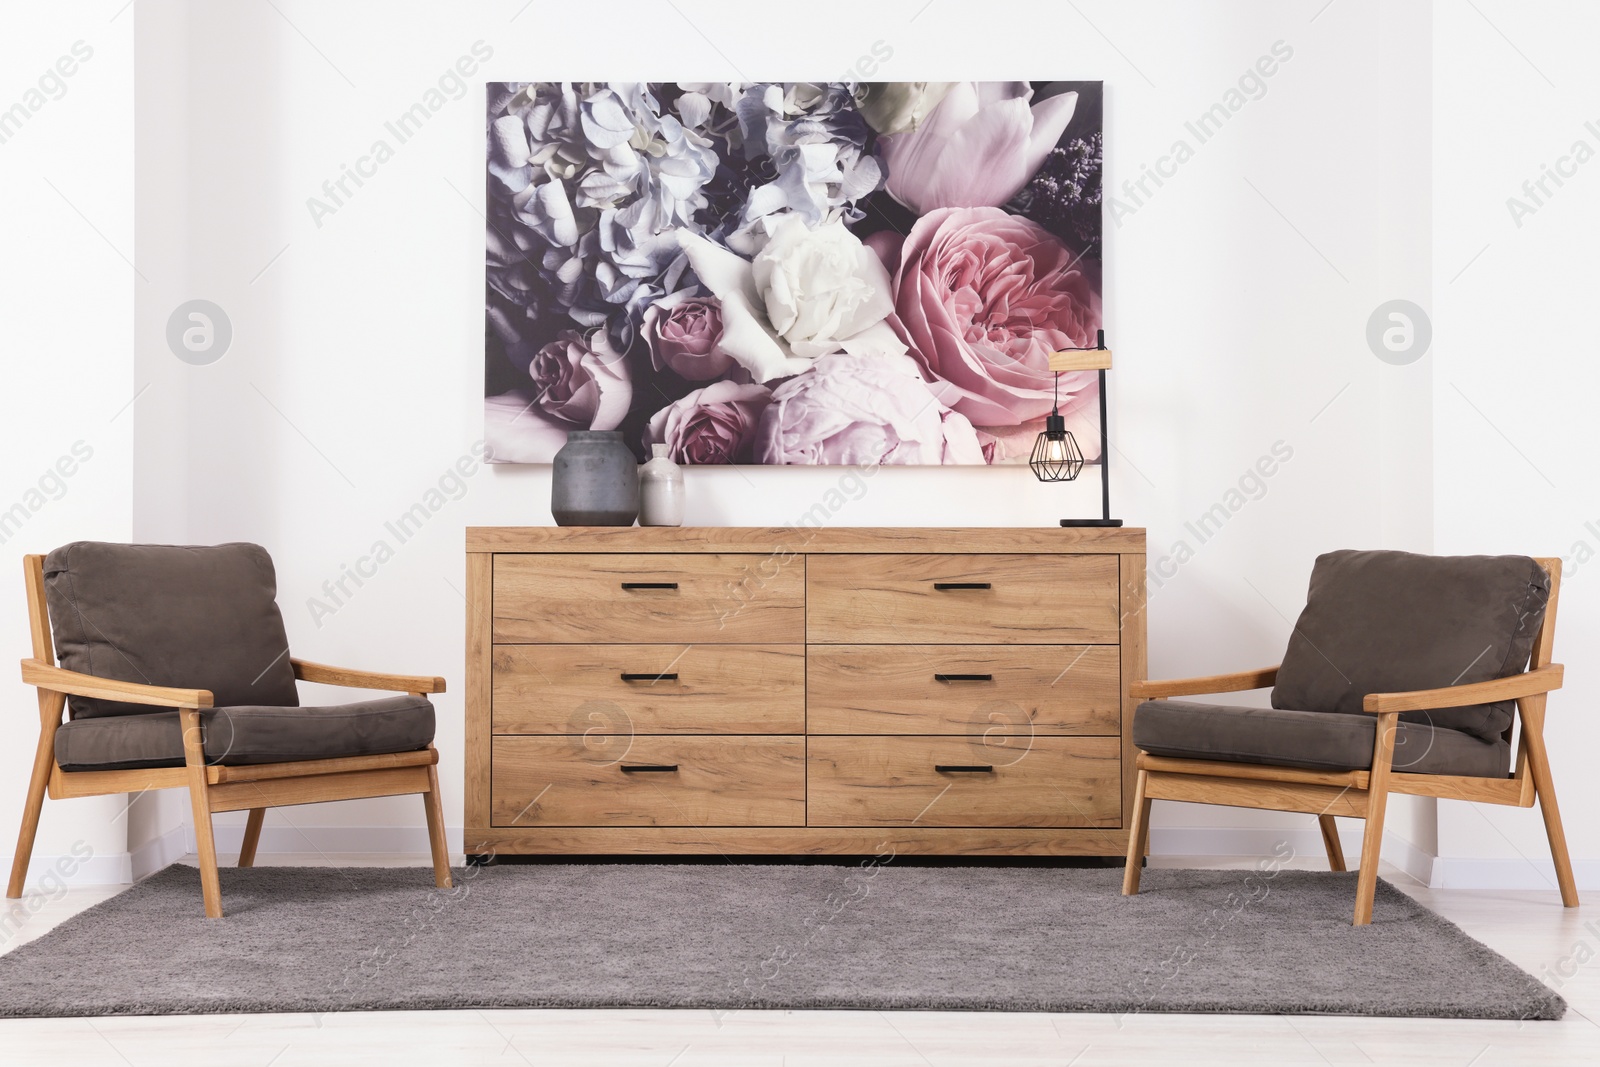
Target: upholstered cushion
[[235, 736], [1319, 740], [194, 617], [1386, 622]]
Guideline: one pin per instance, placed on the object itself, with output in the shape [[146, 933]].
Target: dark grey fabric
[[1319, 740], [195, 617], [730, 936], [235, 736], [1387, 622]]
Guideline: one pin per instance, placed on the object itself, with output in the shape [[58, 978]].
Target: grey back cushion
[[1389, 622], [194, 617]]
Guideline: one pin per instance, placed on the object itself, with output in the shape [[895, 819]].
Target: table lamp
[[1056, 455]]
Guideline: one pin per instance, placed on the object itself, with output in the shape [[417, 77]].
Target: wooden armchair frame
[[253, 788], [1365, 794]]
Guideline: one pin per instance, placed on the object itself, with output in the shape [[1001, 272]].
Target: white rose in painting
[[821, 286], [809, 292]]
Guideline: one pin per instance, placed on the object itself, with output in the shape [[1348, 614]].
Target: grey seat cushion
[[194, 617], [1318, 740], [1387, 622], [244, 735]]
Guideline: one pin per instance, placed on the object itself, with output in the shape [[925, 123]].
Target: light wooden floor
[[1530, 928]]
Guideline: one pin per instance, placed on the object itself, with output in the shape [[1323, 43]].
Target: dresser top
[[768, 540]]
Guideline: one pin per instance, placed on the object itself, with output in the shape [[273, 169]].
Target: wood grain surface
[[645, 599], [718, 781], [668, 689], [897, 781], [995, 690], [980, 599]]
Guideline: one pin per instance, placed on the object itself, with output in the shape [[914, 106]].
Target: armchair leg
[[1371, 847], [1545, 786], [1377, 804], [206, 847], [200, 804], [434, 807], [252, 837], [1138, 837], [1330, 841], [44, 759]]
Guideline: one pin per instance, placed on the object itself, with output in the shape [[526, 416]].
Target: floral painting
[[808, 272]]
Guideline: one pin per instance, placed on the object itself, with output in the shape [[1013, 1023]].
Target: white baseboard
[[168, 848], [162, 851], [114, 868], [1220, 842], [1202, 842], [1397, 850], [1454, 872], [1199, 842], [332, 840]]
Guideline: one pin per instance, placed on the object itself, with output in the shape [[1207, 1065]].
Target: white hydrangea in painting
[[790, 272]]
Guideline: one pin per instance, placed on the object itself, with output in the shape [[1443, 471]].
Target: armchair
[[1450, 636], [174, 667]]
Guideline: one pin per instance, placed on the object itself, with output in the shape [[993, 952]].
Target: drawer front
[[906, 781], [649, 689], [962, 599], [1006, 693], [713, 781], [648, 598]]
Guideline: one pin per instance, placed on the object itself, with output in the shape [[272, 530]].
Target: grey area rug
[[726, 937]]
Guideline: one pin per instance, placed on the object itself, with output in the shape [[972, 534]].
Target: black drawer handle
[[649, 768], [963, 768], [649, 585], [963, 677], [942, 586], [626, 677]]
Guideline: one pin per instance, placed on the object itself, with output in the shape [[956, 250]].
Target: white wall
[[1237, 298], [1516, 373], [66, 307]]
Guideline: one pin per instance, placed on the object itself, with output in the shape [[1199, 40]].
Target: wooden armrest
[[60, 680], [1528, 684], [354, 679], [1215, 683]]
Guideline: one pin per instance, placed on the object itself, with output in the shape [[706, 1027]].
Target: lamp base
[[1091, 522]]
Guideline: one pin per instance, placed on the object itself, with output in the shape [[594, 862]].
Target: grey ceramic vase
[[595, 481]]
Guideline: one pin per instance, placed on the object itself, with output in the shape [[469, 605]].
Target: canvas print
[[807, 272]]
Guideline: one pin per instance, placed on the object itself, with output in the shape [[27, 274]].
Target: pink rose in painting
[[715, 424], [859, 410], [684, 335], [982, 298], [580, 379], [977, 148]]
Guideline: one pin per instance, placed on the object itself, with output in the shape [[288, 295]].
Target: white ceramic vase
[[660, 490]]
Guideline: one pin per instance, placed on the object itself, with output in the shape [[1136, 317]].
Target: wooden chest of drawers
[[794, 690]]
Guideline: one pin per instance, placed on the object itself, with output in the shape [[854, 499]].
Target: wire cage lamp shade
[[1056, 455]]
